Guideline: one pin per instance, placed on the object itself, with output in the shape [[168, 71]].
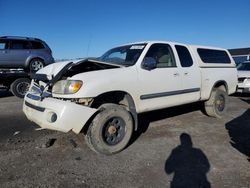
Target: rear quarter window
[[184, 56], [213, 56], [19, 44], [37, 45]]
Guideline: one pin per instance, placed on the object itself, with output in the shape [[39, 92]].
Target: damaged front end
[[62, 114], [57, 80]]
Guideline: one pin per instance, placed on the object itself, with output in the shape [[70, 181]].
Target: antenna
[[89, 43]]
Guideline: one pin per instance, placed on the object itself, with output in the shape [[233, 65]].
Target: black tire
[[20, 87], [217, 104], [35, 65], [110, 130]]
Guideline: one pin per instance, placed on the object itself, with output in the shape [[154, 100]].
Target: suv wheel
[[111, 130], [35, 65], [20, 87]]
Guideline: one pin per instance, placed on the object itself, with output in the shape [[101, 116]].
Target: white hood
[[53, 69], [243, 74]]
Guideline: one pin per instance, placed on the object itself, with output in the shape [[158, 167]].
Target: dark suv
[[28, 53]]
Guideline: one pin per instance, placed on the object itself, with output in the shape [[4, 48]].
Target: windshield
[[123, 55], [244, 66]]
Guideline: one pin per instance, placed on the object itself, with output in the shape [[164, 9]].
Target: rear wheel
[[217, 104], [111, 130], [35, 65], [20, 87]]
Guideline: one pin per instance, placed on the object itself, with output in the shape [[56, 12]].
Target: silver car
[[28, 53]]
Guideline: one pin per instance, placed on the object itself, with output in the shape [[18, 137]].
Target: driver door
[[160, 87]]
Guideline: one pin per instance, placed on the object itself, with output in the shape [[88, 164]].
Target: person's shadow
[[189, 165], [239, 132]]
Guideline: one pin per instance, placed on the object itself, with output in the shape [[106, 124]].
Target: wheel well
[[29, 60], [36, 58], [115, 97], [221, 85]]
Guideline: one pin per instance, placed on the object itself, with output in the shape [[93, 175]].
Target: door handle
[[176, 74], [186, 73]]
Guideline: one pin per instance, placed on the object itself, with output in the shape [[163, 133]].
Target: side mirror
[[149, 63]]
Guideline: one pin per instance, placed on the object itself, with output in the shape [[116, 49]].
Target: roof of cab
[[175, 43]]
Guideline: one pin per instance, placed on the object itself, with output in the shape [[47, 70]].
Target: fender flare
[[132, 110], [221, 82]]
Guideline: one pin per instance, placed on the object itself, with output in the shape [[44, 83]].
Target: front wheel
[[111, 130], [217, 104]]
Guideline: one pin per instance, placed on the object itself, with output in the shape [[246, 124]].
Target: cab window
[[184, 56], [163, 55]]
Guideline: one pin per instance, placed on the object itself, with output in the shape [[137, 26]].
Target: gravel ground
[[174, 147]]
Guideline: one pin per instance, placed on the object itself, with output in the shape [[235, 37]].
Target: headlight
[[247, 81], [67, 86]]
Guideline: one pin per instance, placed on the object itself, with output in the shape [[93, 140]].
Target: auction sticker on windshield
[[137, 47]]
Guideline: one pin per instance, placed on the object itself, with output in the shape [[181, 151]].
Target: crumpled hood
[[243, 74], [53, 69]]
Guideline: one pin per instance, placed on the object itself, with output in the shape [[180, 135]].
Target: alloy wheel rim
[[36, 65]]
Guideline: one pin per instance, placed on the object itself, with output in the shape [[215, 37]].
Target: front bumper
[[243, 87], [243, 90], [55, 114]]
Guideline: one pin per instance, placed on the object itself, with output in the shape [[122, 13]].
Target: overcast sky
[[83, 28]]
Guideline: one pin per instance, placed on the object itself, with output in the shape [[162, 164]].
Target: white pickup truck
[[102, 97]]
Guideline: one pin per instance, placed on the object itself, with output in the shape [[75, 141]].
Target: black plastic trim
[[169, 93], [217, 67], [40, 109]]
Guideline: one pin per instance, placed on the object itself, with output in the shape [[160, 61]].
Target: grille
[[240, 80]]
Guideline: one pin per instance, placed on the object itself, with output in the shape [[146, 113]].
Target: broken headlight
[[67, 86]]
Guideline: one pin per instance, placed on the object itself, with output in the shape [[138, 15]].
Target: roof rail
[[19, 37]]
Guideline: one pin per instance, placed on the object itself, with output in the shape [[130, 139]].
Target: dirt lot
[[177, 146]]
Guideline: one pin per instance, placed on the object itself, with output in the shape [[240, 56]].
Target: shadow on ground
[[239, 132], [246, 100], [5, 94], [241, 95], [145, 119], [189, 165]]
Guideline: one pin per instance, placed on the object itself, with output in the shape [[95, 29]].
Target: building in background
[[240, 55]]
